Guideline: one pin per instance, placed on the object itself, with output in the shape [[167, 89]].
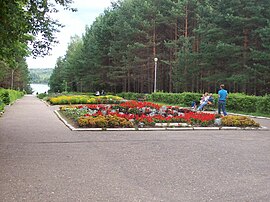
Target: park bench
[[141, 98], [211, 106]]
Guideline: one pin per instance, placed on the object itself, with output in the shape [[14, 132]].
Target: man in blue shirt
[[222, 97]]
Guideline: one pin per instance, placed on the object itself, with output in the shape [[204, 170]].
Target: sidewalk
[[30, 120]]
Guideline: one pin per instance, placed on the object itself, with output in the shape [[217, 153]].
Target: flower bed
[[239, 121], [84, 99], [134, 114]]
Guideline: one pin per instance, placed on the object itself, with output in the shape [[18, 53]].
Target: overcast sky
[[75, 23]]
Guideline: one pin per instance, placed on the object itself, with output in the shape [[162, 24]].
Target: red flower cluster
[[200, 116], [135, 104]]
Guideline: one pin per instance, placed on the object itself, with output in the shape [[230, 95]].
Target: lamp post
[[155, 81]]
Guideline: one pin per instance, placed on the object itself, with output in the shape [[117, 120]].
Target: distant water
[[39, 88]]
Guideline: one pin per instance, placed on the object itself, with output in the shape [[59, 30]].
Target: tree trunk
[[245, 45], [12, 79], [170, 72], [128, 81], [185, 51], [154, 49]]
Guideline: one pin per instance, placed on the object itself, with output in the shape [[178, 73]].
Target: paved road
[[42, 160]]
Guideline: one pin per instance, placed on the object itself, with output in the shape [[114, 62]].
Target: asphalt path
[[42, 160]]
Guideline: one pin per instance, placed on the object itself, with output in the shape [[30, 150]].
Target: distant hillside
[[40, 76]]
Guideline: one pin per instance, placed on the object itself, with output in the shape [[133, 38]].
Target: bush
[[242, 102], [104, 122], [84, 99], [236, 101], [5, 97], [2, 105], [9, 96], [239, 121], [42, 95], [73, 112], [132, 96], [263, 105], [183, 99]]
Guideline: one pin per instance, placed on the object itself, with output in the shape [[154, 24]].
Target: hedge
[[83, 99], [263, 105], [132, 96], [242, 102], [8, 96], [236, 101]]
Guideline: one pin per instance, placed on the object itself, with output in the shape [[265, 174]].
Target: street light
[[155, 82]]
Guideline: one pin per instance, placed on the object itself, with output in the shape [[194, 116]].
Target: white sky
[[75, 23]]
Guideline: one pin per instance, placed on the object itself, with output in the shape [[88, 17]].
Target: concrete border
[[180, 129], [64, 121], [207, 128], [251, 116]]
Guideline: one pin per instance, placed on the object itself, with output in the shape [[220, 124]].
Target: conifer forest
[[198, 45]]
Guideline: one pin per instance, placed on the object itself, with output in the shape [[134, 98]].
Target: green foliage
[[242, 102], [8, 96], [84, 99], [4, 96], [104, 122], [14, 95], [2, 105], [184, 99], [57, 82], [133, 96], [15, 76], [73, 113], [205, 43], [236, 101], [42, 95], [22, 22], [25, 27], [263, 105]]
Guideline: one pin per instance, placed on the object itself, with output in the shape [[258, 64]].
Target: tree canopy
[[26, 28], [199, 44]]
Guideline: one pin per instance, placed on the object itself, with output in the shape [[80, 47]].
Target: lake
[[39, 88]]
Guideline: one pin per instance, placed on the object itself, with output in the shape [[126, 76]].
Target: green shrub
[[42, 95], [169, 98], [2, 105], [236, 101], [84, 99], [5, 97], [263, 105], [183, 99], [132, 96], [242, 102], [8, 96], [104, 122], [14, 95]]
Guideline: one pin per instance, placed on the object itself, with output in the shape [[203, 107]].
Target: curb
[[64, 121], [251, 116], [157, 129]]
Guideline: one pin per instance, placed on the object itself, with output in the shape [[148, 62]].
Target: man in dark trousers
[[222, 97]]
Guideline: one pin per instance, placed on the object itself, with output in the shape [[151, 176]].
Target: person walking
[[222, 97]]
